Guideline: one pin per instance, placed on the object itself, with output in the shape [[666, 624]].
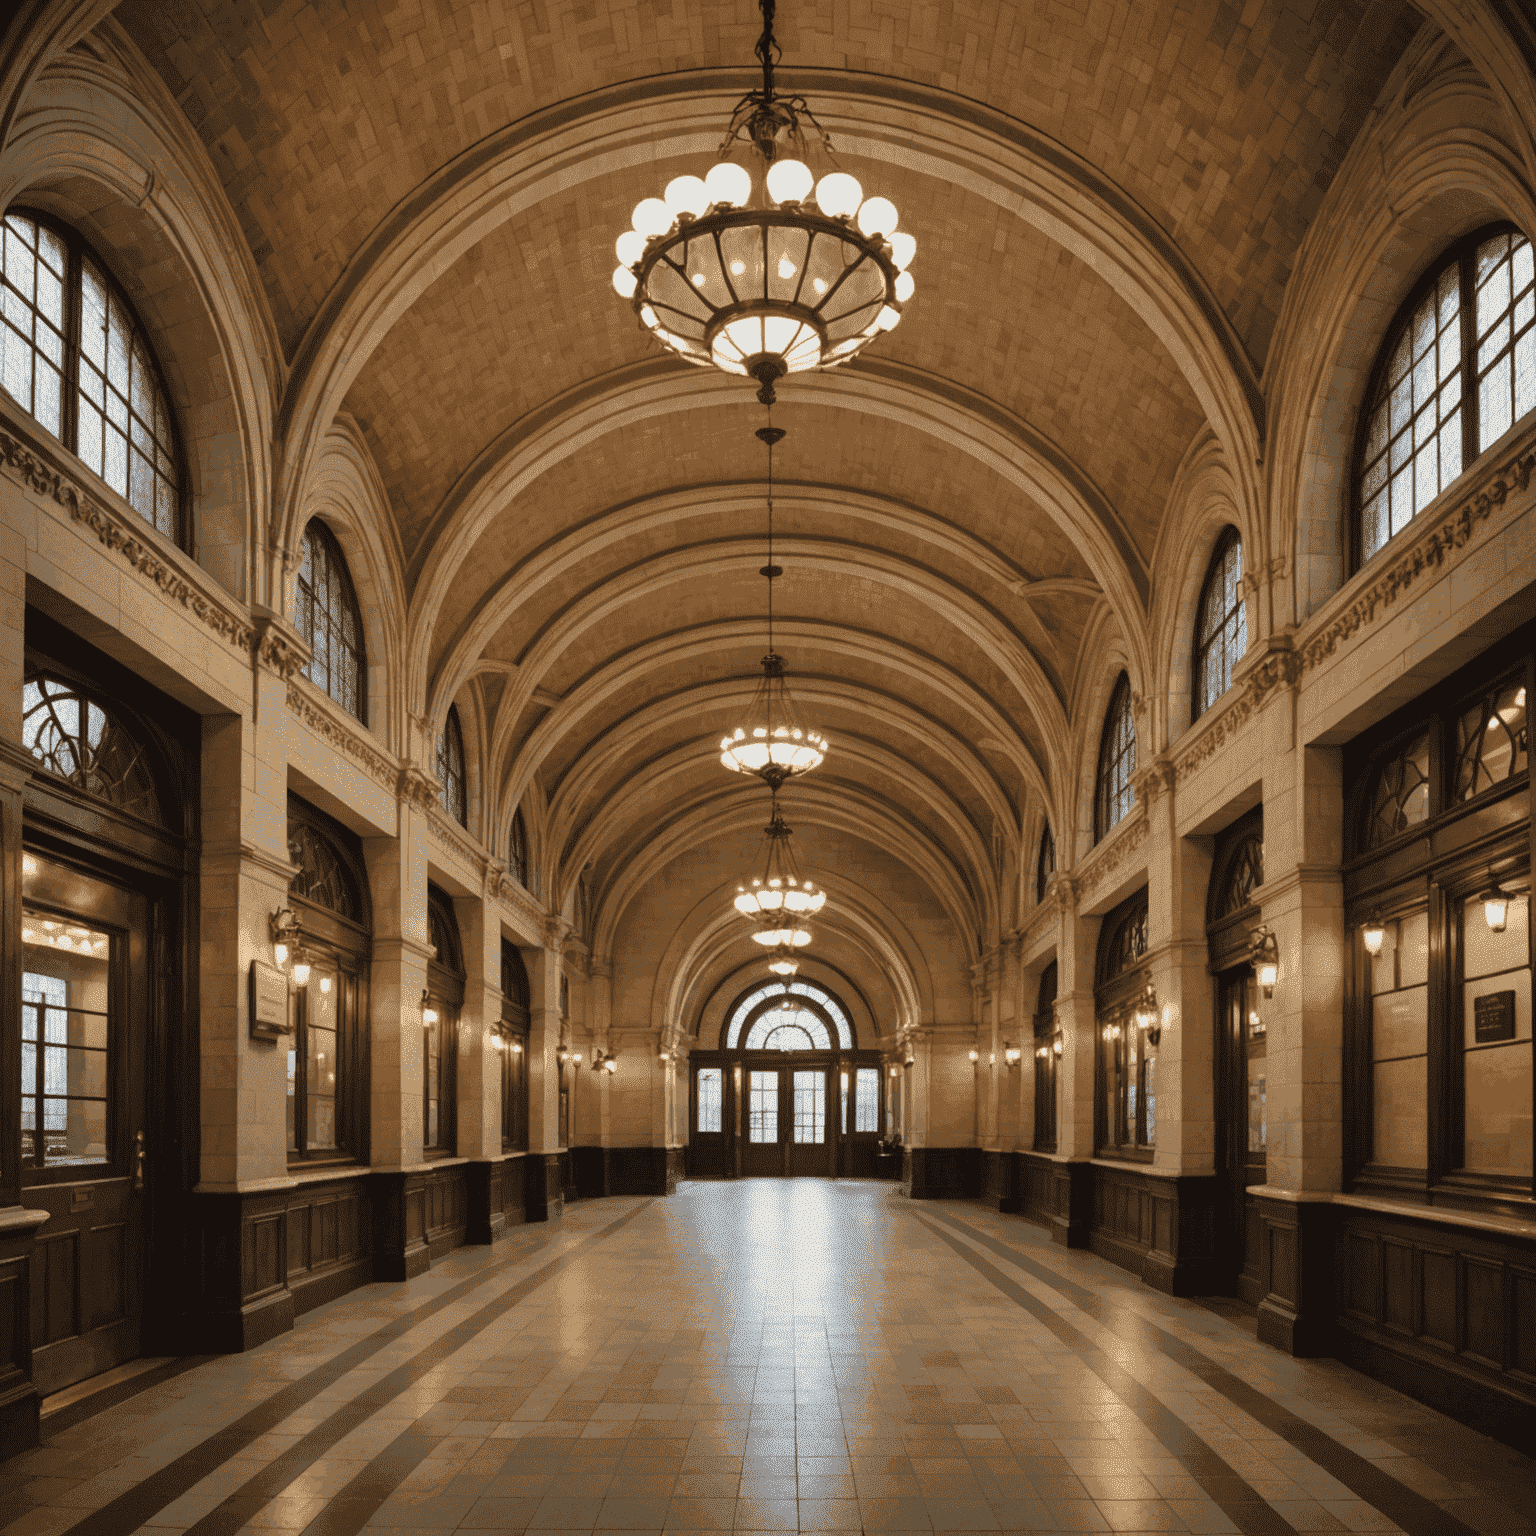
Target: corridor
[[768, 1356]]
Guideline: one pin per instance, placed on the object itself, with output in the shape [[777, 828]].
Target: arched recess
[[920, 403], [1106, 657], [1423, 172], [745, 1024], [100, 145], [470, 706], [641, 123], [1200, 510], [864, 995], [347, 496]]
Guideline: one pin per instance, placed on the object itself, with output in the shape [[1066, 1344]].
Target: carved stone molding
[[446, 833], [1152, 779], [124, 533], [317, 718], [1101, 869], [278, 646], [416, 789], [554, 931]]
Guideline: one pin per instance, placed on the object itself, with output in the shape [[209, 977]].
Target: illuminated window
[[709, 1109], [327, 615], [1221, 625], [452, 792], [1114, 796], [102, 396], [84, 742]]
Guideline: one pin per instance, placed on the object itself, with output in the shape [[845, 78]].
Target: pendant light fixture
[[772, 285], [772, 741], [782, 961], [779, 891]]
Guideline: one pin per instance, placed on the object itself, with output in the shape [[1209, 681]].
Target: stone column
[[1077, 940], [479, 1074], [546, 1196]]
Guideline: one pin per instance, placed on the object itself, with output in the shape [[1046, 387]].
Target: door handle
[[138, 1162]]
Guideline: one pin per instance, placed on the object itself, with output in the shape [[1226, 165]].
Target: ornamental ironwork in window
[[1221, 623], [1244, 874], [452, 792], [1126, 942], [1491, 741], [1471, 319], [1114, 796], [87, 745], [1399, 795], [327, 615], [101, 395], [323, 876]]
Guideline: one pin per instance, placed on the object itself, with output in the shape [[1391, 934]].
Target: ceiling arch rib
[[650, 580], [658, 389], [671, 512], [1027, 174], [609, 759]]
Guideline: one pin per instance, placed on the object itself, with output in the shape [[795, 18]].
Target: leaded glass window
[[1491, 741], [86, 744], [1221, 624], [1244, 875], [102, 396], [1399, 797], [710, 1119], [323, 877], [327, 615], [452, 791], [1114, 795], [1471, 318]]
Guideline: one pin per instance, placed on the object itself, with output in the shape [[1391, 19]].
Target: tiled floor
[[768, 1356]]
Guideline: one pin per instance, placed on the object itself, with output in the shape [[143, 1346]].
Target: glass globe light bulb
[[877, 216], [301, 971], [686, 194], [904, 287], [629, 247], [838, 195], [729, 183], [1375, 935], [625, 282], [903, 249], [889, 318], [789, 181], [651, 217]]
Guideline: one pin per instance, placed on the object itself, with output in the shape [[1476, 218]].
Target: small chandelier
[[773, 742], [782, 933], [782, 962], [782, 287], [780, 891]]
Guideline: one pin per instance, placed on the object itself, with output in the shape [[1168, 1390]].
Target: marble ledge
[[1504, 1226]]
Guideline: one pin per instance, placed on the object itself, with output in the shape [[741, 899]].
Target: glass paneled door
[[84, 1011], [1243, 1102], [788, 1125]]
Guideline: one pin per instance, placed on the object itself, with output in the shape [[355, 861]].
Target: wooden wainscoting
[[1442, 1311], [1161, 1228]]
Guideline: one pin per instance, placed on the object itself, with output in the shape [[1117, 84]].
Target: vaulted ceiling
[[581, 518]]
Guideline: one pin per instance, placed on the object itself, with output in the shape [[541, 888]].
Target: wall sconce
[[1056, 1048], [1148, 1016], [1042, 1051], [662, 1056], [516, 1047], [428, 1012], [895, 1071], [1496, 909], [1011, 1054], [288, 952], [908, 1061], [562, 1055], [1374, 934], [604, 1061], [577, 1058], [974, 1054], [1112, 1032], [1265, 957]]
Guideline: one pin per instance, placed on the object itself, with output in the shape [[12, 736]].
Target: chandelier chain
[[767, 50]]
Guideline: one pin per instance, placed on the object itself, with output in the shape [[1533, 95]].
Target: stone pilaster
[[479, 1109], [545, 1200], [1075, 1017]]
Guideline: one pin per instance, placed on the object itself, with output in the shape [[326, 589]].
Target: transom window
[[452, 792], [74, 357], [327, 615], [1221, 624], [1457, 371], [826, 1007], [1114, 796], [82, 741]]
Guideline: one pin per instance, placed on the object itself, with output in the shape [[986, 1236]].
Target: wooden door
[[1243, 1108], [762, 1152], [809, 1142], [85, 1138]]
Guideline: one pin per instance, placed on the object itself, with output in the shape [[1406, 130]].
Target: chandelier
[[779, 894], [774, 284], [773, 742], [782, 961]]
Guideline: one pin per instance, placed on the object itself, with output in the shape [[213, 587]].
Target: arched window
[[1113, 795], [327, 1050], [87, 744], [74, 357], [450, 769], [1456, 373], [1221, 623], [517, 851], [1045, 863], [771, 999], [327, 615]]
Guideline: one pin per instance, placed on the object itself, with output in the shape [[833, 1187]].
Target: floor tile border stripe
[[131, 1509], [1227, 1489], [402, 1454], [1415, 1514]]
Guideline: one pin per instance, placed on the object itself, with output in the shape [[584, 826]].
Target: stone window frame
[[170, 466], [1122, 1060], [452, 779], [1114, 797], [1457, 265], [1220, 638], [333, 598], [1045, 862]]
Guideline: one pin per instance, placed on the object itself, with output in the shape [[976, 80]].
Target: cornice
[[416, 789], [1127, 840], [320, 714], [44, 471], [444, 832]]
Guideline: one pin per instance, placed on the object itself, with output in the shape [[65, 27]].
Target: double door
[[787, 1121], [86, 987]]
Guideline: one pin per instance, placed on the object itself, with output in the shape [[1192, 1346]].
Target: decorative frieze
[[415, 789], [315, 717], [1104, 866], [446, 833]]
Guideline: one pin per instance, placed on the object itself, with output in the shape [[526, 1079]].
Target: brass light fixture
[[1265, 956]]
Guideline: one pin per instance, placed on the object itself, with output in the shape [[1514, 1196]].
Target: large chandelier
[[773, 741], [771, 283], [778, 895]]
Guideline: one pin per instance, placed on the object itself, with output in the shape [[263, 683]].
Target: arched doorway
[[788, 1092]]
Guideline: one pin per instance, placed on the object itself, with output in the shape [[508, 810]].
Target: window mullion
[[69, 415], [1471, 425]]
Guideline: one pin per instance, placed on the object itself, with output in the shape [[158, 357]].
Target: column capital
[[416, 789], [276, 644], [1155, 777]]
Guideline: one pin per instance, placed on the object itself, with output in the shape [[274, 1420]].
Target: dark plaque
[[269, 1001], [1493, 1017]]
